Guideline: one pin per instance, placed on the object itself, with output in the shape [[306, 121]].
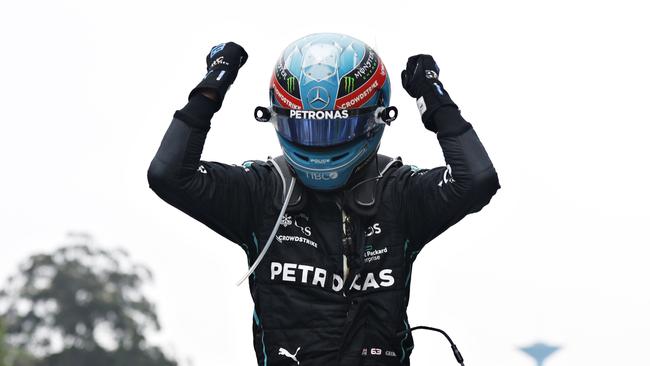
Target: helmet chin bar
[[384, 115]]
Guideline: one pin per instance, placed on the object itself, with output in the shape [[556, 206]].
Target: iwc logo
[[318, 97]]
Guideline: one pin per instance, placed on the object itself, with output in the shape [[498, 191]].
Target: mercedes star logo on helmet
[[318, 97]]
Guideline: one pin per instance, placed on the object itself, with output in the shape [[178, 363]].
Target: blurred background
[[97, 270]]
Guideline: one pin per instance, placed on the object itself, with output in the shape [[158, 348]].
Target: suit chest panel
[[308, 251]]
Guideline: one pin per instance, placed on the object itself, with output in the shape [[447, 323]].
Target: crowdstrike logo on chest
[[295, 239]]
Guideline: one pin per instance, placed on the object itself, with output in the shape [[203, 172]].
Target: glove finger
[[435, 67], [235, 45], [410, 64], [425, 64], [428, 63], [243, 55], [405, 79], [243, 58]]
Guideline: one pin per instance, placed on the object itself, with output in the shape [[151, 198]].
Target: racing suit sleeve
[[438, 198], [220, 196]]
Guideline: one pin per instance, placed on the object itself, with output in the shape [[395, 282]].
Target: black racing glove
[[223, 61], [420, 80]]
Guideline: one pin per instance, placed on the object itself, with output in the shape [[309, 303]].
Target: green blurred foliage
[[79, 306], [12, 356], [3, 345]]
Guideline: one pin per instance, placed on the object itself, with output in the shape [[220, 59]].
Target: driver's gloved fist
[[420, 80], [223, 64]]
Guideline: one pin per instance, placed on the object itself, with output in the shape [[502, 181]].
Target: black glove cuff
[[449, 122], [429, 104], [219, 89], [218, 80], [198, 111]]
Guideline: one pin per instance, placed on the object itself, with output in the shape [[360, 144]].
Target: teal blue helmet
[[330, 97]]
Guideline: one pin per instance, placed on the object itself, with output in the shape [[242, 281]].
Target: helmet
[[330, 98]]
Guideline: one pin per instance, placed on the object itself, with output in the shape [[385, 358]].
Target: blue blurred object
[[539, 351]]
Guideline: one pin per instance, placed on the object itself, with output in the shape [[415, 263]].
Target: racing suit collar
[[361, 195]]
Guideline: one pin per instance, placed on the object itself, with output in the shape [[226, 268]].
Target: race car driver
[[330, 228]]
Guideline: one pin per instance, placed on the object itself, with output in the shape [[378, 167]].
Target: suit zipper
[[347, 243]]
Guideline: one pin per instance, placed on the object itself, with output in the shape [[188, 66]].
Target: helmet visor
[[324, 128]]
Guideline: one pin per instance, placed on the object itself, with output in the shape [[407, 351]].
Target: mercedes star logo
[[318, 97]]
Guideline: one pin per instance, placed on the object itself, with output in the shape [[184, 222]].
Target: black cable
[[457, 354]]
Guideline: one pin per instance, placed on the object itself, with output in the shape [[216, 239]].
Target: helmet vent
[[339, 157], [301, 156]]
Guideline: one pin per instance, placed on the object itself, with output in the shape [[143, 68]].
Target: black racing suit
[[308, 307]]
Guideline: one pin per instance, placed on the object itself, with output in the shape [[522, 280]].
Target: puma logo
[[284, 352]]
